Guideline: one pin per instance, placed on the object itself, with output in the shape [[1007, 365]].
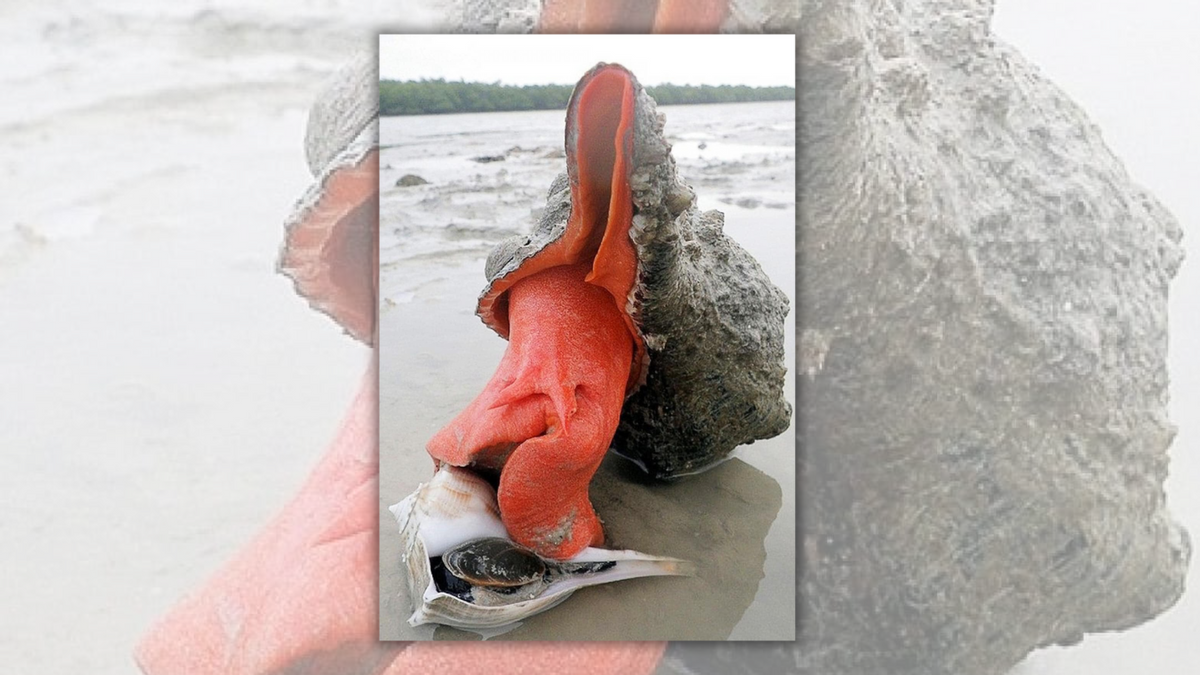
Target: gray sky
[[757, 60]]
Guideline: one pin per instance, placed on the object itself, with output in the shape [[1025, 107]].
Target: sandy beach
[[736, 521]]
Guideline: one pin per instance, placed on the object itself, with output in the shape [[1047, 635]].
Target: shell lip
[[606, 91], [331, 238], [483, 616]]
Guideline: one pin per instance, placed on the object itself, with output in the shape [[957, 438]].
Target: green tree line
[[431, 97]]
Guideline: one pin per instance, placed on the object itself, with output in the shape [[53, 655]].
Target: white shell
[[456, 506]]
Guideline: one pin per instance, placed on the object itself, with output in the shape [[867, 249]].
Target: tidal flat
[[737, 520]]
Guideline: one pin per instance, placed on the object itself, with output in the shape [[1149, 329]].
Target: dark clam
[[494, 562]]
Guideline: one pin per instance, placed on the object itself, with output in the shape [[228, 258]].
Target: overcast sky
[[757, 60]]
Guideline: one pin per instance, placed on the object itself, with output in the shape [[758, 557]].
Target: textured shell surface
[[453, 507], [456, 507], [713, 324]]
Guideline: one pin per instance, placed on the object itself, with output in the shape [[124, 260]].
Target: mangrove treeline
[[431, 97]]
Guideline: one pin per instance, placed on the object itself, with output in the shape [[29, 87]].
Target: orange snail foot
[[546, 418]]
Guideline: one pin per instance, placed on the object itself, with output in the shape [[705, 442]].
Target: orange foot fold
[[548, 415], [546, 418]]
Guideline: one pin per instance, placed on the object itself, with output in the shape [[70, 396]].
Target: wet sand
[[165, 391], [736, 521]]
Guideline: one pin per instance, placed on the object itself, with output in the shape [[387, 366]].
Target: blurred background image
[[165, 391]]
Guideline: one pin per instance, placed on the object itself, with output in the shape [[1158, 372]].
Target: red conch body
[[548, 415]]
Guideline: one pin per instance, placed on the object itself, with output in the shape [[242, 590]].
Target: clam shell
[[711, 368], [456, 506], [494, 561]]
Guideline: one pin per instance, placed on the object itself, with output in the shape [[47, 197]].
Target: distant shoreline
[[439, 97]]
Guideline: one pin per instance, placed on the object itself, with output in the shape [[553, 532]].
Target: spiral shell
[[709, 325], [456, 506]]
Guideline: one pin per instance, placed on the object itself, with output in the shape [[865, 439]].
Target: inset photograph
[[585, 337]]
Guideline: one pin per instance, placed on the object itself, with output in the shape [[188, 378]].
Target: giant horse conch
[[633, 323]]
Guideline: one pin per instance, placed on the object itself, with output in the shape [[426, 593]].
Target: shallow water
[[435, 356]]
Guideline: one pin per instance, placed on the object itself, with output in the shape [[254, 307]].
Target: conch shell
[[708, 324], [331, 245], [633, 323], [456, 506]]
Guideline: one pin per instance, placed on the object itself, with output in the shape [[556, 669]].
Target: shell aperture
[[457, 510], [574, 350]]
